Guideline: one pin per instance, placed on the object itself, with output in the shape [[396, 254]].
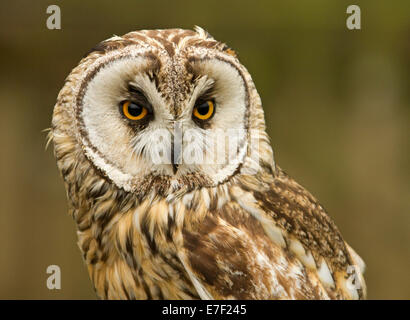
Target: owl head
[[171, 108]]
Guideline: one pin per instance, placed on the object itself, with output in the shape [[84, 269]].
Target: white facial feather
[[109, 140], [126, 156]]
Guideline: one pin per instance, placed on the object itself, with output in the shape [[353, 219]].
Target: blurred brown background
[[336, 102]]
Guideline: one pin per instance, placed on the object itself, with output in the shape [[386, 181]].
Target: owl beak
[[175, 154], [176, 146]]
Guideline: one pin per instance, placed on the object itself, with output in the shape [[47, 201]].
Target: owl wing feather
[[275, 244]]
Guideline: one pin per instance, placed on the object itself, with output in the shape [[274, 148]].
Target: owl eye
[[204, 110], [133, 111]]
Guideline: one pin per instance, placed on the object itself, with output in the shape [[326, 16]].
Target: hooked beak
[[174, 158], [176, 147]]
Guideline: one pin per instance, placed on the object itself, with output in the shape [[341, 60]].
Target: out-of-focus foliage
[[336, 102]]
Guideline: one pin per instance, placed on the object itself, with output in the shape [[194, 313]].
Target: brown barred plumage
[[242, 231]]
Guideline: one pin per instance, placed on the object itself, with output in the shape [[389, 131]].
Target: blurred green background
[[337, 110]]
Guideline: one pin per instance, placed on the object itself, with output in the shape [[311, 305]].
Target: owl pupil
[[203, 109], [134, 110]]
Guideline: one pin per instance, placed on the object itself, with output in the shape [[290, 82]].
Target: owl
[[160, 138]]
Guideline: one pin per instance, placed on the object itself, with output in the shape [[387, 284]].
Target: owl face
[[168, 106]]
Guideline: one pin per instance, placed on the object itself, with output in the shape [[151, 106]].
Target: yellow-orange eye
[[204, 110], [133, 111]]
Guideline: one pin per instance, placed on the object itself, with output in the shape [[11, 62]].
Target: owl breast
[[205, 244]]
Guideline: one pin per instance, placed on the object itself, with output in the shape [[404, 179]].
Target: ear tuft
[[229, 51]]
